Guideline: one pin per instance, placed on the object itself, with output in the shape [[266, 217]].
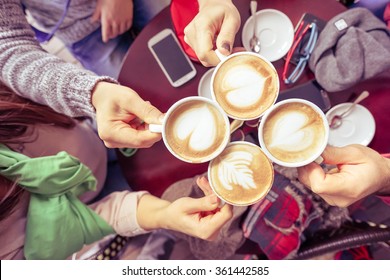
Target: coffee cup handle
[[220, 56], [156, 128], [319, 160]]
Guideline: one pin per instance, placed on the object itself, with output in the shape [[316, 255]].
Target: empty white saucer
[[275, 31], [204, 84], [358, 127]]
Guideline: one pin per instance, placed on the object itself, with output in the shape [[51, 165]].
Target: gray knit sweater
[[36, 74]]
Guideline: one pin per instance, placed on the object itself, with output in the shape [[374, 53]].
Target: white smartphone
[[173, 61]]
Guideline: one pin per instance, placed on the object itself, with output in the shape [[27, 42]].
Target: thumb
[[146, 112], [339, 155], [206, 203], [225, 39]]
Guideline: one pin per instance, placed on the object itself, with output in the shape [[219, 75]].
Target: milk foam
[[197, 125], [292, 133], [244, 86], [234, 170]]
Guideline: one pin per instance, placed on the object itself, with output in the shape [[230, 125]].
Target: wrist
[[385, 188], [98, 92], [151, 212]]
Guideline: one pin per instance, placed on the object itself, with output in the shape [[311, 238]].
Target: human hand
[[360, 172], [123, 117], [116, 17], [199, 217], [215, 26]]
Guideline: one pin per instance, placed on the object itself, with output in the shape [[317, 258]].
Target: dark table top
[[154, 169]]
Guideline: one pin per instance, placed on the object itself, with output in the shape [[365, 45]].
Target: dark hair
[[18, 117]]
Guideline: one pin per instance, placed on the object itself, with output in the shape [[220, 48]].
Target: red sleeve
[[182, 13], [385, 199], [386, 15]]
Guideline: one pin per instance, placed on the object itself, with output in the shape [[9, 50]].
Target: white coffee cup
[[244, 84], [241, 175], [195, 129], [204, 84], [294, 133]]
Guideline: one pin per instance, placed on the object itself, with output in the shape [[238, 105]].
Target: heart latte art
[[241, 174], [245, 86], [196, 130], [293, 132]]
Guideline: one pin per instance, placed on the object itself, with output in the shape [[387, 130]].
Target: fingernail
[[226, 46]]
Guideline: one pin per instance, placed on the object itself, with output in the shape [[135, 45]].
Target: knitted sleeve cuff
[[80, 94]]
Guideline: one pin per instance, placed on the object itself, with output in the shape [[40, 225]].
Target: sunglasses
[[305, 39]]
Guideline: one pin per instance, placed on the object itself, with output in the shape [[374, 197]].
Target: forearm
[[120, 210], [37, 75]]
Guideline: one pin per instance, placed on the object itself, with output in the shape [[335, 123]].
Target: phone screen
[[172, 58], [310, 91]]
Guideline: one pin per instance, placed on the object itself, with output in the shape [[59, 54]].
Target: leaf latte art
[[241, 174], [234, 170]]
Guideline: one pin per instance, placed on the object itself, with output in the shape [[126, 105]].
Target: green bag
[[58, 223]]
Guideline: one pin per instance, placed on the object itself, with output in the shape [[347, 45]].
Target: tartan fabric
[[277, 222]]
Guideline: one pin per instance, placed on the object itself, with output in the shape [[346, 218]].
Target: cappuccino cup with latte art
[[241, 175], [245, 85], [195, 129], [294, 133]]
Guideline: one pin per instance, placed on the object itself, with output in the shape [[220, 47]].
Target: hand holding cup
[[195, 129], [294, 133], [245, 85]]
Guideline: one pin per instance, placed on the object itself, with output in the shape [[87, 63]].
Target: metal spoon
[[254, 42], [337, 120]]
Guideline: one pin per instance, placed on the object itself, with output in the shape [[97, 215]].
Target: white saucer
[[275, 31], [204, 84], [358, 127]]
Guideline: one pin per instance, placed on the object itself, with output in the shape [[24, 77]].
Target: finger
[[96, 15], [225, 39], [138, 124], [145, 111], [115, 30], [320, 182], [220, 218], [128, 137], [340, 155], [204, 47], [204, 185], [128, 25], [311, 174], [123, 27], [106, 31], [206, 203]]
